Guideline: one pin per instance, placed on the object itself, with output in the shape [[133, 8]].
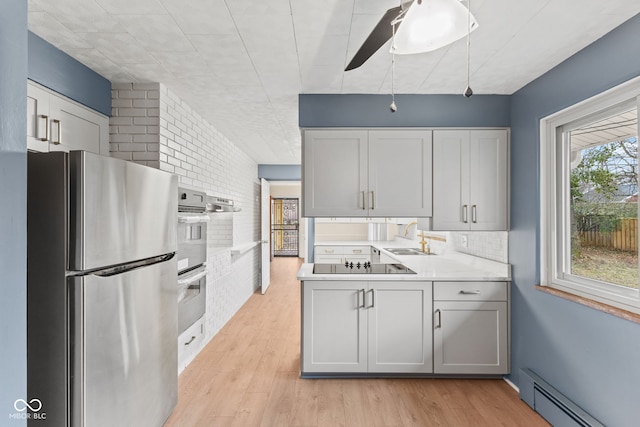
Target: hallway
[[248, 375]]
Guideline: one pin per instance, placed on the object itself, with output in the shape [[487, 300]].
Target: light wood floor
[[248, 375]]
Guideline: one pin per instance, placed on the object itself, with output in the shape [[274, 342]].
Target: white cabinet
[[400, 173], [399, 327], [366, 327], [471, 328], [56, 123], [328, 255], [334, 173], [360, 173], [190, 343], [470, 179], [339, 254]]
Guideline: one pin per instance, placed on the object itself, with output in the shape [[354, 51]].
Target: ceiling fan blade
[[381, 33]]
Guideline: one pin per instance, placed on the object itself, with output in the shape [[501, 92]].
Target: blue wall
[[413, 111], [13, 207], [280, 172], [56, 70], [590, 356]]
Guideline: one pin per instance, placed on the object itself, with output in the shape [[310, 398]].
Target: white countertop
[[443, 267]]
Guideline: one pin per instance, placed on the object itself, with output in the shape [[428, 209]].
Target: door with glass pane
[[285, 226]]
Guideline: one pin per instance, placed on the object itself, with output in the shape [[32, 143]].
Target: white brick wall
[[151, 125], [134, 126]]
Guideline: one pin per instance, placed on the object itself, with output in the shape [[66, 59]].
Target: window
[[589, 198]]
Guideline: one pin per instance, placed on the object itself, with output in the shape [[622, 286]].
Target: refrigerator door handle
[[119, 269]]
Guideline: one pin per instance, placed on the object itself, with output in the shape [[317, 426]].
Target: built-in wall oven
[[192, 257]]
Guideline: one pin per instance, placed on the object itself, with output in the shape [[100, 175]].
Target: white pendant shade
[[430, 25]]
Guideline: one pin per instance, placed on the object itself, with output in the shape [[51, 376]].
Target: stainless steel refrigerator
[[102, 296]]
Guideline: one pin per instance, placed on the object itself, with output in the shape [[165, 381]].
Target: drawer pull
[[191, 340], [328, 251], [476, 292], [357, 251]]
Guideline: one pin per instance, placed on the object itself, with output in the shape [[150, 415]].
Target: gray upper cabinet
[[470, 179], [56, 123], [361, 173]]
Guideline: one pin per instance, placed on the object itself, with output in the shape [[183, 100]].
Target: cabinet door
[[38, 120], [399, 327], [400, 175], [334, 327], [470, 337], [451, 210], [74, 127], [335, 173], [488, 150]]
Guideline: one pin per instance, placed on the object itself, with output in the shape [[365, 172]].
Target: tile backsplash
[[493, 245]]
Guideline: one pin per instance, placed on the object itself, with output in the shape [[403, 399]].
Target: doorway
[[285, 226]]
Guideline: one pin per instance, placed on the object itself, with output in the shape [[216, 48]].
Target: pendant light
[[431, 24], [468, 92]]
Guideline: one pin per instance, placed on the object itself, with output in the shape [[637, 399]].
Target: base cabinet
[[470, 334], [366, 327], [190, 343]]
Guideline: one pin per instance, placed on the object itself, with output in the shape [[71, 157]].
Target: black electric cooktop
[[361, 268]]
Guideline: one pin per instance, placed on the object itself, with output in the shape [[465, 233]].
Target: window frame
[[554, 196]]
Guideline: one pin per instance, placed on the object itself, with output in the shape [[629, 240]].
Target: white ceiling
[[242, 63]]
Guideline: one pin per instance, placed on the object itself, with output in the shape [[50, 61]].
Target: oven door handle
[[192, 219], [184, 282]]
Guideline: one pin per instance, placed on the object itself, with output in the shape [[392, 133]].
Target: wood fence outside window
[[624, 238]]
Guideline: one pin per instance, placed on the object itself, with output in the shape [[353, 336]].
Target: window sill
[[614, 311]]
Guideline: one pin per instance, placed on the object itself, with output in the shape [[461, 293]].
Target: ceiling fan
[[428, 25]]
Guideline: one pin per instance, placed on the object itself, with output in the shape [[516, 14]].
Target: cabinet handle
[[439, 323], [361, 292], [373, 298], [364, 207], [193, 337], [373, 200], [476, 292], [465, 215], [46, 127], [473, 214], [59, 141]]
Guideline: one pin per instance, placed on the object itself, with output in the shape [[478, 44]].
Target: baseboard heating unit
[[552, 405]]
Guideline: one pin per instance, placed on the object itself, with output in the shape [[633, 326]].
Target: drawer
[[470, 291], [190, 343], [357, 250], [328, 250], [328, 259]]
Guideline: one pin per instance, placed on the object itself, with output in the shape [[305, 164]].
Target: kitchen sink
[[407, 251]]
